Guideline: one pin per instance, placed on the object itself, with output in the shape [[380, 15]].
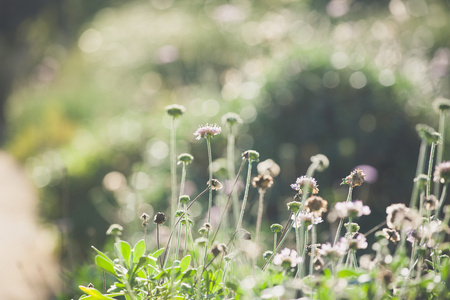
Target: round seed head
[[145, 219], [251, 155], [441, 104], [262, 182], [175, 110], [276, 227], [294, 206], [159, 218], [231, 119], [215, 184], [427, 133], [356, 178], [316, 205], [185, 158], [184, 199]]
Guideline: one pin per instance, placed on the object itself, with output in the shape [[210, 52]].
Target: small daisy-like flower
[[356, 178], [175, 110], [231, 119], [431, 202], [215, 184], [268, 167], [358, 242], [351, 209], [185, 158], [159, 218], [316, 205], [442, 172], [308, 184], [391, 235], [115, 229], [307, 219], [441, 104], [262, 182], [208, 130], [287, 258], [321, 161], [334, 252], [428, 134], [401, 217]]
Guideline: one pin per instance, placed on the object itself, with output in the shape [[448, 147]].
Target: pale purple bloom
[[336, 251], [351, 209], [306, 218], [287, 256], [208, 130], [307, 183], [359, 242], [401, 217]]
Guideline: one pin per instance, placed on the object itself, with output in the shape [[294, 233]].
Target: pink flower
[[208, 130], [351, 209], [287, 258]]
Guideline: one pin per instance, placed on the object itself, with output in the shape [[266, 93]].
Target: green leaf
[[102, 255], [189, 273], [184, 264], [139, 251], [105, 264], [157, 253], [347, 273], [216, 280], [94, 293], [123, 249]]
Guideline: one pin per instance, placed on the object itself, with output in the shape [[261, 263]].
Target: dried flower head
[[391, 235], [356, 178], [218, 249], [159, 218], [115, 229], [442, 172], [262, 182], [268, 167], [287, 258], [351, 209], [207, 131], [441, 104], [316, 205], [321, 161], [276, 227], [184, 199], [428, 134], [231, 119], [307, 184], [251, 155], [215, 185], [145, 219], [431, 202], [358, 242], [90, 285], [175, 110], [207, 226], [306, 219], [401, 217], [185, 158], [318, 263]]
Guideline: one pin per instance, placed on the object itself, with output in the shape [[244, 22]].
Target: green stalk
[[419, 170], [173, 171], [341, 222], [208, 145], [442, 200], [260, 212], [183, 179], [274, 241], [297, 236], [313, 249], [440, 149], [430, 168], [244, 202], [231, 171]]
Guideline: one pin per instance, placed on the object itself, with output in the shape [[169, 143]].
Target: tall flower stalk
[[262, 182], [251, 156], [443, 107]]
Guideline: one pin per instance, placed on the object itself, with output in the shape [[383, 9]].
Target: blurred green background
[[84, 85]]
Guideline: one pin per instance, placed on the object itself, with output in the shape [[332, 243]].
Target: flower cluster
[[287, 258], [307, 184], [334, 252], [307, 219], [351, 209], [401, 217], [356, 178], [208, 130]]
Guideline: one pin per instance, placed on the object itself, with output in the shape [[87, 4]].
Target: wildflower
[[185, 158], [401, 217], [351, 209], [316, 205], [218, 249], [251, 155], [307, 219], [321, 161], [294, 206], [208, 130], [268, 167], [359, 242], [159, 218], [428, 134], [441, 104], [175, 110], [431, 202], [145, 219], [308, 184], [184, 199], [287, 258], [411, 236], [262, 182], [352, 227], [391, 235], [334, 252], [115, 229], [215, 184], [231, 119], [442, 172], [356, 178], [276, 227]]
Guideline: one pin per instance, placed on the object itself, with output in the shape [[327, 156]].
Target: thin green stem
[[430, 168], [440, 147], [313, 249], [208, 145], [275, 241], [419, 170], [341, 222], [173, 171], [260, 213], [297, 236], [268, 261], [442, 200], [231, 171], [244, 202], [183, 179]]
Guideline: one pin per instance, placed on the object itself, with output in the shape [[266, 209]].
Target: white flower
[[207, 131], [287, 257], [306, 218], [336, 251], [351, 209], [359, 242]]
